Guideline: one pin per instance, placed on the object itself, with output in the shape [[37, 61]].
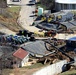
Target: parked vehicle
[[32, 2]]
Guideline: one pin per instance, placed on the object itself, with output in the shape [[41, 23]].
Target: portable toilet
[[40, 11]]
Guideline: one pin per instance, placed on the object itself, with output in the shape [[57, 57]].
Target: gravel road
[[26, 16]]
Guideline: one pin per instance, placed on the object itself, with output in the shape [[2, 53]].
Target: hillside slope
[[8, 20]]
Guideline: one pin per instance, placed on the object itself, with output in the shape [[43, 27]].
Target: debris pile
[[62, 51]]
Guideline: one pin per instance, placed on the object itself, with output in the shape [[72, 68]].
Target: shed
[[21, 57]]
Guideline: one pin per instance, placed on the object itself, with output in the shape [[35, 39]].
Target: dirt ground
[[22, 72], [18, 71]]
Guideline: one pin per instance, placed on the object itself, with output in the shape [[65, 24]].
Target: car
[[32, 2]]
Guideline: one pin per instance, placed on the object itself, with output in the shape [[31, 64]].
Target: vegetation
[[41, 5], [69, 73], [14, 9], [74, 12], [25, 70], [8, 18], [6, 71], [36, 65]]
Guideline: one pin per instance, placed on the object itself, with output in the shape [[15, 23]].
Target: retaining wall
[[52, 69]]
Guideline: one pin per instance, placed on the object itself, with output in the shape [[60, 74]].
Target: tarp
[[37, 47], [47, 26], [73, 22], [66, 15], [68, 25], [72, 39]]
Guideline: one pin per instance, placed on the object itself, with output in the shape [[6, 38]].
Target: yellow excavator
[[48, 18]]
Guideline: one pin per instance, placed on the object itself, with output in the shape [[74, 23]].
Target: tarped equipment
[[36, 48]]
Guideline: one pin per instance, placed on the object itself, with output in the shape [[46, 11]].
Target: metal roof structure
[[66, 1]]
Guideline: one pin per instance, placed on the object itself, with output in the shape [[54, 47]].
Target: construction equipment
[[53, 45], [59, 27], [52, 26], [43, 18]]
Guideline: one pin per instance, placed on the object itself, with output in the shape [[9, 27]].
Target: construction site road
[[26, 16]]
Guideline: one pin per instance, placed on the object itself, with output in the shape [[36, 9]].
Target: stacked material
[[14, 39]]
